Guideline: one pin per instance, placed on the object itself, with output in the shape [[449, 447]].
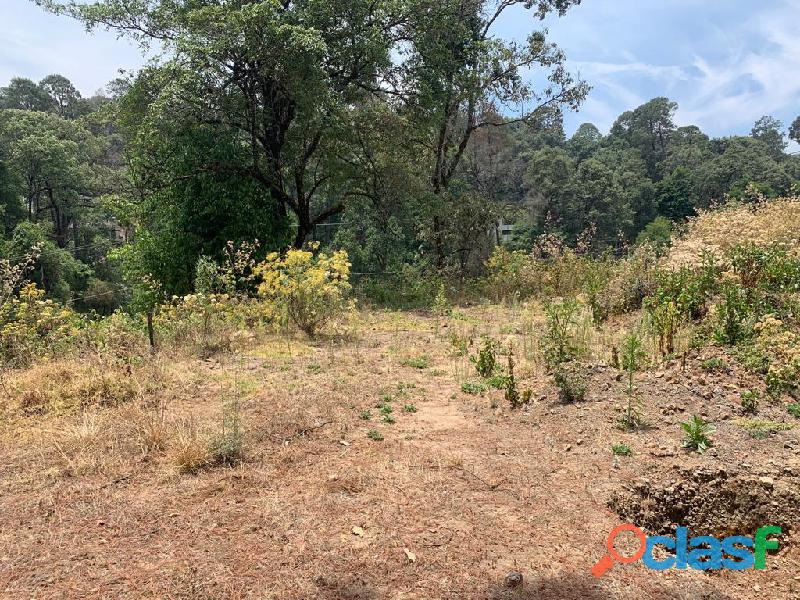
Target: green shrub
[[228, 447], [794, 410], [732, 314], [715, 365], [423, 361], [570, 379], [633, 359], [474, 388], [486, 360], [558, 342], [375, 435], [697, 432], [621, 450], [750, 400]]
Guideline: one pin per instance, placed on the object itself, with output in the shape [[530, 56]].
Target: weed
[[461, 344], [715, 365], [794, 410], [375, 435], [314, 368], [410, 408], [497, 382], [486, 361], [388, 419], [227, 447], [621, 450], [750, 400], [760, 428], [365, 415], [471, 387], [570, 380], [558, 343], [697, 432], [386, 409], [633, 360], [512, 395], [731, 315], [423, 361]]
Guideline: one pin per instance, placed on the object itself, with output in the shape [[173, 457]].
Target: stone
[[514, 579]]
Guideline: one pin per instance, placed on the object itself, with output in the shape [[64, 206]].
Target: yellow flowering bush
[[31, 326], [313, 288]]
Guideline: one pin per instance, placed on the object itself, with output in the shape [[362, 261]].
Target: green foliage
[[410, 408], [697, 432], [570, 379], [621, 450], [761, 428], [474, 388], [486, 362], [750, 401], [228, 447], [558, 342], [497, 382], [657, 233], [365, 415], [732, 315], [633, 358], [794, 410], [715, 365], [375, 435], [423, 361]]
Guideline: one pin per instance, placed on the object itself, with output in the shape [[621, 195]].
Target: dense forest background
[[404, 132]]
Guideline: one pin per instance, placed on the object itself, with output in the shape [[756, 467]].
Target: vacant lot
[[369, 472]]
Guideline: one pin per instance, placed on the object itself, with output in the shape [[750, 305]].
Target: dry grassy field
[[369, 471]]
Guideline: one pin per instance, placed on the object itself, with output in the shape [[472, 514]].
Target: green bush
[[732, 315], [570, 379]]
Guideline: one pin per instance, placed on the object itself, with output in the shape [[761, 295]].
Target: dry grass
[[122, 499], [772, 222]]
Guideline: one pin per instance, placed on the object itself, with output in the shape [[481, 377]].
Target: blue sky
[[726, 62]]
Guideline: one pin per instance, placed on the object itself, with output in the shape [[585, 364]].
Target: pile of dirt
[[718, 502]]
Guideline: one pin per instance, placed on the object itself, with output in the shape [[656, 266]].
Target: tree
[[585, 141], [794, 130], [56, 163], [770, 131], [457, 73], [24, 94], [739, 162], [279, 76], [649, 129], [65, 99], [675, 195]]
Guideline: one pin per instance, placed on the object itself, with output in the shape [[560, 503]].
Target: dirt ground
[[457, 494]]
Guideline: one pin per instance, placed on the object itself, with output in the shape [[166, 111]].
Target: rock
[[514, 579], [767, 481]]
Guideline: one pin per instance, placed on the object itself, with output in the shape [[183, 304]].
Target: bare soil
[[456, 495]]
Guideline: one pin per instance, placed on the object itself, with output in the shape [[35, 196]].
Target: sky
[[725, 62]]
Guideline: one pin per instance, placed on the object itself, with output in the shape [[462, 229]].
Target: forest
[[406, 143]]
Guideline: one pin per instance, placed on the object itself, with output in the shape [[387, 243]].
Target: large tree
[[769, 130], [794, 130], [648, 128], [281, 77], [458, 77]]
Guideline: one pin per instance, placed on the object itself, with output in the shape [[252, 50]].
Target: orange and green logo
[[703, 552]]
